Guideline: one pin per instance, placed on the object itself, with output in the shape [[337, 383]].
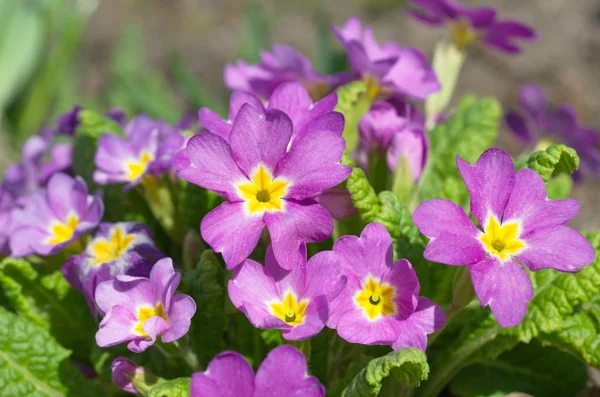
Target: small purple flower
[[380, 304], [265, 184], [124, 248], [518, 226], [395, 71], [140, 309], [468, 25], [393, 136], [147, 149], [123, 370], [538, 122], [282, 373], [7, 204], [296, 301], [54, 217], [282, 65]]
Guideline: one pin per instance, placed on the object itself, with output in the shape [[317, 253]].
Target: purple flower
[[537, 122], [139, 309], [282, 373], [124, 248], [54, 217], [7, 204], [394, 69], [468, 25], [146, 149], [282, 65], [295, 301], [123, 371], [518, 225], [393, 136], [265, 184], [380, 304]]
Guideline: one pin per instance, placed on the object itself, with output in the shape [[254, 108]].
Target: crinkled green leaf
[[33, 364], [559, 188], [179, 387], [554, 161], [46, 298], [363, 195], [193, 203], [529, 368], [354, 367], [354, 100], [211, 321], [407, 365]]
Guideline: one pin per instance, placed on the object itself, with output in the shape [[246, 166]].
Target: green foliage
[[193, 203], [407, 365], [256, 33], [554, 161], [559, 188], [354, 100], [529, 368], [45, 298], [179, 387], [33, 364]]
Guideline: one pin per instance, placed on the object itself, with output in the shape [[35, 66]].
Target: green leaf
[[529, 368], [559, 188], [193, 203], [46, 299], [33, 364], [407, 365], [179, 387], [354, 367], [207, 282], [256, 33], [554, 161], [95, 125], [354, 100]]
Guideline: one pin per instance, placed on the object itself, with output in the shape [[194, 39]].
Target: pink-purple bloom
[[380, 304], [146, 149], [54, 216], [140, 309], [396, 70], [282, 373], [267, 180], [295, 301], [538, 122], [124, 248], [518, 226], [123, 370], [470, 24], [394, 135]]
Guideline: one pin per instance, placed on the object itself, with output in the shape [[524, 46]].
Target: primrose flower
[[477, 24], [139, 309], [536, 122], [389, 69], [295, 301], [380, 304], [518, 225], [124, 248], [123, 371], [282, 373], [146, 149], [394, 136], [265, 184], [283, 64], [54, 217]]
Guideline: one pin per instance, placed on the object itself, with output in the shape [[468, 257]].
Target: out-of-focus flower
[[380, 304], [518, 224], [265, 183], [295, 301], [124, 248], [282, 373], [393, 136], [388, 68], [123, 372], [476, 24], [54, 217], [538, 123], [140, 309], [146, 149], [283, 64]]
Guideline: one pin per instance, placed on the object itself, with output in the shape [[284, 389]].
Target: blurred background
[[165, 57]]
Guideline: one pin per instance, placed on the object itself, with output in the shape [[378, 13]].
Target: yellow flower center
[[146, 313], [376, 299], [264, 193], [105, 251], [290, 310], [462, 34], [62, 232], [501, 240], [136, 169]]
